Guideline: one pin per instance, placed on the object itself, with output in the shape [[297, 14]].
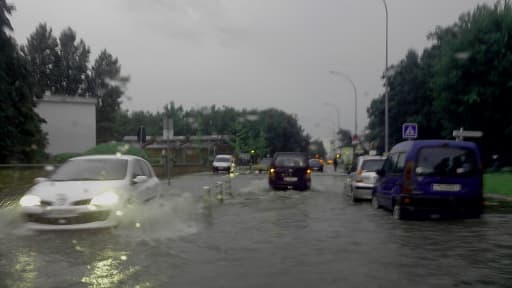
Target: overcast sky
[[249, 53]]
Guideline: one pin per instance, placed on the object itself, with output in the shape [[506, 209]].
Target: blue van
[[431, 177]]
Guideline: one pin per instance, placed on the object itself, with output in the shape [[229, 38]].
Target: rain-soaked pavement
[[261, 238]]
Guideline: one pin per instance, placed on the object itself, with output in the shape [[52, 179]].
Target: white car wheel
[[375, 202]]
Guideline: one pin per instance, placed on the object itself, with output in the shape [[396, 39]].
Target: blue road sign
[[409, 130]]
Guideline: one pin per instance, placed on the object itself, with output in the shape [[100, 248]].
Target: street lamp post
[[386, 120], [355, 95]]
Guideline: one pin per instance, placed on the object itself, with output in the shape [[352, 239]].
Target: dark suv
[[289, 170]]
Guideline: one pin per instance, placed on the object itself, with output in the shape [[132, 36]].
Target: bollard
[[207, 195], [220, 192], [228, 187]]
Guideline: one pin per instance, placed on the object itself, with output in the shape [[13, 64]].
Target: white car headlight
[[30, 200], [105, 199]]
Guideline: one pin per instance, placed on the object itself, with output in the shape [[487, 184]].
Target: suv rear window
[[446, 161], [291, 161], [222, 159], [372, 165]]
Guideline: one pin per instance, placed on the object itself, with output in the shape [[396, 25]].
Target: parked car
[[89, 192], [361, 182], [289, 170], [263, 165], [224, 163], [431, 177], [316, 165]]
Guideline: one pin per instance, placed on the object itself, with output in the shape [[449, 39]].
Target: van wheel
[[398, 213], [375, 202]]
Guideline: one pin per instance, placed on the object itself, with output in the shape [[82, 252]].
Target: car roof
[[223, 155], [109, 156], [407, 145]]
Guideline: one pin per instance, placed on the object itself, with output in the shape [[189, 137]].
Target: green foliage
[[41, 54], [106, 84], [71, 64], [498, 183], [344, 137], [21, 137], [316, 147], [462, 80], [114, 148], [62, 157]]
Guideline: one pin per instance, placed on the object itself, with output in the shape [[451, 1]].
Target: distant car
[[289, 170], [263, 165], [361, 182], [431, 177], [89, 192], [316, 165], [223, 163]]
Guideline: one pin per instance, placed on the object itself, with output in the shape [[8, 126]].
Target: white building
[[70, 123]]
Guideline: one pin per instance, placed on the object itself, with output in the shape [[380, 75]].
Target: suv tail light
[[359, 174], [408, 184]]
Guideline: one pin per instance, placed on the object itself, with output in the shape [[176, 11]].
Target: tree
[[282, 132], [471, 83], [41, 54], [344, 137], [71, 65], [106, 84], [316, 147], [462, 80], [21, 137]]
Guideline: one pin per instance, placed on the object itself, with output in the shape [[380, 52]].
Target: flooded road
[[261, 238]]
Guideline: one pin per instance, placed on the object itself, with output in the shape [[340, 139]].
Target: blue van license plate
[[446, 187]]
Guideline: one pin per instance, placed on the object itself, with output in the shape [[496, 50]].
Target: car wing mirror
[[40, 180], [139, 179]]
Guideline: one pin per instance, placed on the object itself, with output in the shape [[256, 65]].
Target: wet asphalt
[[260, 238]]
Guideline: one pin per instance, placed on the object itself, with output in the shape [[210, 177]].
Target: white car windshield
[[91, 169], [222, 159]]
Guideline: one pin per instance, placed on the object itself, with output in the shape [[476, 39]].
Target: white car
[[89, 192], [223, 163], [362, 181]]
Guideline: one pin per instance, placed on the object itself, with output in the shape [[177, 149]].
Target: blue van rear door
[[448, 171]]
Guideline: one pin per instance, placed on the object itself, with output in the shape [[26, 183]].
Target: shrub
[[114, 148]]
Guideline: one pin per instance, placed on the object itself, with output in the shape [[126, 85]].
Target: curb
[[497, 197]]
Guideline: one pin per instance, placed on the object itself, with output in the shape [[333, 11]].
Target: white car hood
[[66, 192]]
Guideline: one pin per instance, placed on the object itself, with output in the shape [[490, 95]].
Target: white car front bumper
[[70, 219]]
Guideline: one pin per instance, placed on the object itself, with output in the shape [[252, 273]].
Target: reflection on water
[[108, 269], [24, 268]]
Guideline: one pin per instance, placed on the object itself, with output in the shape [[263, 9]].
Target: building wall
[[71, 123]]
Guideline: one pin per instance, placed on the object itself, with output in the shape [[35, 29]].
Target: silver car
[[89, 192], [361, 181]]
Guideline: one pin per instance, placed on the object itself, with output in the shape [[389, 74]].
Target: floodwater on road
[[260, 238]]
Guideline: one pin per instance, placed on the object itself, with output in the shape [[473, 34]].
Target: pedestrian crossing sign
[[410, 131]]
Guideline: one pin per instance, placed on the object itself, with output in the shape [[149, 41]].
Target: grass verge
[[498, 183]]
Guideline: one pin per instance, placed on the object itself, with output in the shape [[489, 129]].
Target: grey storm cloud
[[249, 53]]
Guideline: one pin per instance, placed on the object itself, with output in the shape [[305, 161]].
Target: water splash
[[164, 218]]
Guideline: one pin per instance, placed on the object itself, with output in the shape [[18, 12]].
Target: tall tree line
[[462, 80], [21, 137], [265, 131], [60, 66]]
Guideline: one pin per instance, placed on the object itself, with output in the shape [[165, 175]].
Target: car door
[[153, 182], [142, 189], [390, 180]]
